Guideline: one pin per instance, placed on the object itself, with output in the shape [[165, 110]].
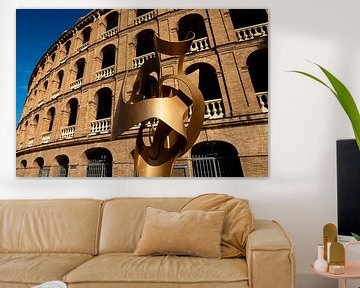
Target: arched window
[[35, 92], [80, 67], [86, 35], [53, 57], [43, 171], [23, 164], [215, 159], [100, 163], [112, 20], [60, 77], [191, 23], [73, 106], [36, 120], [210, 88], [51, 115], [247, 17], [144, 42], [257, 64], [108, 56], [63, 162], [104, 100], [208, 81], [46, 85], [149, 87], [67, 47]]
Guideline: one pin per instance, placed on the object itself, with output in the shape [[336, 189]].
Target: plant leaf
[[357, 237], [344, 97], [316, 79], [347, 102]]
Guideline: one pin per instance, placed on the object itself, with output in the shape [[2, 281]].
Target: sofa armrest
[[269, 256]]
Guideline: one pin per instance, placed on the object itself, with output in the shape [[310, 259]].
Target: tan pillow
[[239, 221], [196, 233]]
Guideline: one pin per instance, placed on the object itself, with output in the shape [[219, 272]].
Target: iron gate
[[210, 166], [98, 169]]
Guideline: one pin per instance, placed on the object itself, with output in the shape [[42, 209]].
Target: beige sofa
[[89, 243]]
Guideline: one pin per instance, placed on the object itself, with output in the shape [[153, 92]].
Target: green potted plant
[[346, 100]]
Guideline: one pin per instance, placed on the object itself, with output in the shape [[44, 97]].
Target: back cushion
[[67, 226], [123, 221]]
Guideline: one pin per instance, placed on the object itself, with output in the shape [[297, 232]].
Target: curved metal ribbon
[[168, 106]]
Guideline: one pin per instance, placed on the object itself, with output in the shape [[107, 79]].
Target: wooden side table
[[352, 268]]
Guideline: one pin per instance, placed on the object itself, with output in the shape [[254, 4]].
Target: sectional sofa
[[90, 243]]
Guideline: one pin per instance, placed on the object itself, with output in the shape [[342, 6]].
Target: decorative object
[[65, 132], [320, 264], [344, 97], [194, 233], [167, 134], [329, 236], [337, 258], [336, 269], [344, 273]]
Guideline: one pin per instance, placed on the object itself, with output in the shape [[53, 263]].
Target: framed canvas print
[[142, 92]]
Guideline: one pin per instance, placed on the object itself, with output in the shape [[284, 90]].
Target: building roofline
[[67, 34]]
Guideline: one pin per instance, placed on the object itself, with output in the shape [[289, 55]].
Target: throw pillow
[[238, 223], [196, 233]]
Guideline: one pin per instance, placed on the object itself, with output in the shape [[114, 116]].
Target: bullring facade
[[66, 120]]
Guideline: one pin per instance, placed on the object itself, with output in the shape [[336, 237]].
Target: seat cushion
[[35, 268], [159, 271]]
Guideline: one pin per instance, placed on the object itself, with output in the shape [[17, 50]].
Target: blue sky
[[36, 30]]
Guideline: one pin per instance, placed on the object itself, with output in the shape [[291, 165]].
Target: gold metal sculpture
[[163, 112]]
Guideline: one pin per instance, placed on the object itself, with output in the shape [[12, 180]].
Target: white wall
[[305, 121]]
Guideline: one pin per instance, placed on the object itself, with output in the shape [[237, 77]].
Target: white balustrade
[[100, 126], [45, 137], [30, 142], [199, 45], [140, 60], [76, 84], [251, 32], [106, 72], [68, 132], [56, 94], [83, 47], [145, 17], [213, 109], [263, 100], [109, 33]]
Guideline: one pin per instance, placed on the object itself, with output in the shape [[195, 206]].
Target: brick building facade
[[66, 120]]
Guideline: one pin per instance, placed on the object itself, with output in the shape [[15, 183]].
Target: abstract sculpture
[[163, 112]]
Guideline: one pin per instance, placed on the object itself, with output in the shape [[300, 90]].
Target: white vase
[[320, 264]]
